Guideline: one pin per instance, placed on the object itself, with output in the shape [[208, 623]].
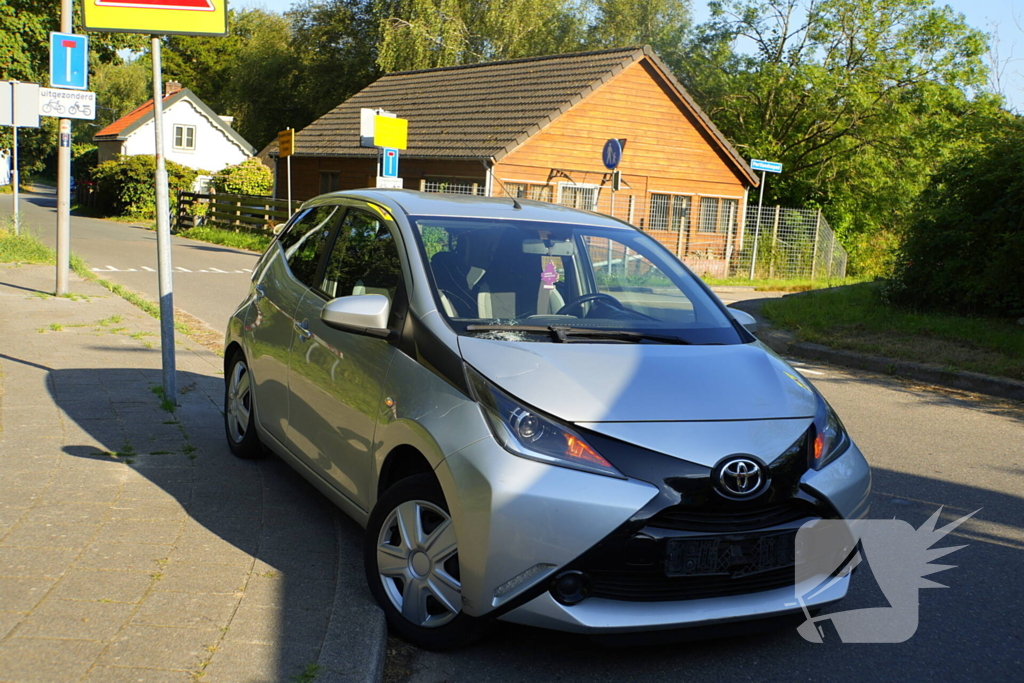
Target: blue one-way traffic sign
[[389, 163], [69, 61], [770, 166]]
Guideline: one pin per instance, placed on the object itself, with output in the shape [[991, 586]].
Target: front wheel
[[239, 409], [412, 566]]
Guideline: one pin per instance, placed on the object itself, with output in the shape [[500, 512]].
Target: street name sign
[[390, 183], [69, 61], [67, 104], [769, 166], [162, 17]]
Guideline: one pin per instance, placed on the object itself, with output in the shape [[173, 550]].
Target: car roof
[[413, 203]]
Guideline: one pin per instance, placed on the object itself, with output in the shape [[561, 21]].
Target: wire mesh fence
[[714, 236]]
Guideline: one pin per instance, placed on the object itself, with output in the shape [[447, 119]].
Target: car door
[[336, 377], [292, 269]]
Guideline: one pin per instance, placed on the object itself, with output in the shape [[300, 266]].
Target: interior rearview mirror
[[541, 247], [359, 313]]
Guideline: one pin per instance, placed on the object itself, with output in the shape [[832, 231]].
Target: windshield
[[561, 282]]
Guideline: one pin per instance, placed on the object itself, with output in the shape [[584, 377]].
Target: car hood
[[588, 382]]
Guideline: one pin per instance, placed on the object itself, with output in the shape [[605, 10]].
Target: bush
[[83, 162], [124, 186], [963, 252], [249, 177]]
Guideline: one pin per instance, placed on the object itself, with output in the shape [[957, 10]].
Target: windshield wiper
[[561, 333]]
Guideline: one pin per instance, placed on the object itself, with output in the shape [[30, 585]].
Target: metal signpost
[[763, 167], [285, 149], [157, 18], [19, 108]]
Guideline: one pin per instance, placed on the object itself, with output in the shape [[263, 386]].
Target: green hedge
[[249, 177], [124, 186], [964, 252]]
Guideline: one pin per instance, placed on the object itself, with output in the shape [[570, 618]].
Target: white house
[[194, 135]]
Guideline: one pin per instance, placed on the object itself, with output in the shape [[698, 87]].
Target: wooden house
[[536, 128]]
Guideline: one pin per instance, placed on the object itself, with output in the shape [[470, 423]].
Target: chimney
[[171, 87]]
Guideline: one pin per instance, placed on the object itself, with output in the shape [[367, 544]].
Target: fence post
[[814, 249], [775, 242]]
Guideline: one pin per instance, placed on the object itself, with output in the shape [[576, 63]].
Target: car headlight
[[830, 437], [525, 432]]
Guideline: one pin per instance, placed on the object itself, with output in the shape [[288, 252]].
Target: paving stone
[[21, 594], [51, 535], [202, 578], [186, 610], [135, 531], [214, 552], [38, 562], [239, 662], [297, 565], [99, 493], [38, 660], [107, 585], [276, 590], [167, 510], [280, 623], [147, 490], [67, 513], [117, 674], [133, 556], [8, 620], [160, 647], [76, 619]]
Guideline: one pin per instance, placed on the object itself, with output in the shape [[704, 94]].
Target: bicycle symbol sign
[[67, 104]]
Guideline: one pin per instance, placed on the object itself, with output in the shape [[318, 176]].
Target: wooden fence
[[240, 212]]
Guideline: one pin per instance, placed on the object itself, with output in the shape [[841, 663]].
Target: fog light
[[570, 588]]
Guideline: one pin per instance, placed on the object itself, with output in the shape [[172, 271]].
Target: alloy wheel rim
[[417, 559], [239, 404]]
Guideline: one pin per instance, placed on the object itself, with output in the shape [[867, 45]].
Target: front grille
[[684, 518], [653, 585]]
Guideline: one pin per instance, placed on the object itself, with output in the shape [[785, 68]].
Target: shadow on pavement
[[256, 524]]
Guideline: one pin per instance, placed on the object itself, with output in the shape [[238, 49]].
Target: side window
[[306, 240], [364, 259]]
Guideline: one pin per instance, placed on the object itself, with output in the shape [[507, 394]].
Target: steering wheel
[[593, 296]]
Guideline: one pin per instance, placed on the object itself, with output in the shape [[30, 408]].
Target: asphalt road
[[209, 280], [929, 448]]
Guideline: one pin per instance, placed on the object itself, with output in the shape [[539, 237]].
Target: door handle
[[260, 291], [303, 330]]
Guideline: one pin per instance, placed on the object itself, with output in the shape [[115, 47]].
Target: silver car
[[539, 415]]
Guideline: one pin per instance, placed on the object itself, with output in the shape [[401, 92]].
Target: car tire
[[239, 410], [423, 566]]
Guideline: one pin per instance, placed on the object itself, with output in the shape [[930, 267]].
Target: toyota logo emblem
[[741, 477]]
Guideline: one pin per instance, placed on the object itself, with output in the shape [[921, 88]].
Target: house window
[[708, 214], [184, 137], [578, 196], [454, 185], [669, 212], [728, 215], [330, 181], [534, 191], [718, 215]]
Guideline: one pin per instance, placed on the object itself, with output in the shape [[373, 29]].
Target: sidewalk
[[133, 545]]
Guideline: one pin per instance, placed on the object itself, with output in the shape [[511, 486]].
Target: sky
[[1004, 19]]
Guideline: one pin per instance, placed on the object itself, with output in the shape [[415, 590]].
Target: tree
[[662, 24], [859, 99]]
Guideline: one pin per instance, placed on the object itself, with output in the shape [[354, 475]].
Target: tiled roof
[[482, 111], [111, 131], [472, 111]]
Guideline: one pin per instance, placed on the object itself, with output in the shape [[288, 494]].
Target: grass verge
[[792, 285], [857, 319], [251, 241]]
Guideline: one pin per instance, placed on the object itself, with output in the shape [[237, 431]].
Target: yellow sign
[[286, 143], [390, 132], [164, 17]]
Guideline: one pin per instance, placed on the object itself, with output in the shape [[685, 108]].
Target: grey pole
[[14, 156], [757, 228], [64, 179], [163, 234]]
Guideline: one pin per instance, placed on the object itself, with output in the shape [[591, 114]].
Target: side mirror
[[359, 313], [743, 318]]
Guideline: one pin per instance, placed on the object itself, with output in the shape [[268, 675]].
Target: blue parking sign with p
[[69, 61]]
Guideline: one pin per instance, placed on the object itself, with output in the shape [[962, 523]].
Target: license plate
[[732, 556]]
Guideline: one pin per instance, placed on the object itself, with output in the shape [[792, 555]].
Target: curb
[[351, 653], [784, 343]]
